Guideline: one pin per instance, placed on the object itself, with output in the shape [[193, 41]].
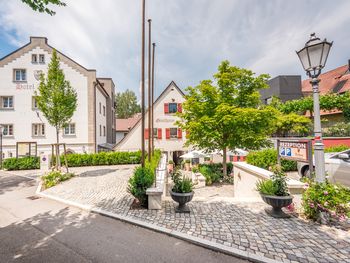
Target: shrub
[[214, 172], [187, 161], [24, 163], [181, 184], [326, 197], [53, 178], [268, 158], [336, 148], [277, 185], [171, 162], [102, 158], [141, 180], [340, 129]]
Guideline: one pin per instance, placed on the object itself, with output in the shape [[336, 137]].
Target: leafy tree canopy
[[226, 112], [126, 104], [42, 5]]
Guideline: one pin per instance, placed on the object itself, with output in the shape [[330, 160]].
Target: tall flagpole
[[143, 85], [154, 46], [150, 132]]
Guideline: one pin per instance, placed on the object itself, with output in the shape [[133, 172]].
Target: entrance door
[[176, 157]]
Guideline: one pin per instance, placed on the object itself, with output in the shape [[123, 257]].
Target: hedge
[[102, 158], [24, 163], [214, 172], [267, 158]]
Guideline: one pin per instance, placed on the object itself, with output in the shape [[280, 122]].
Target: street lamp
[[1, 131], [313, 57]]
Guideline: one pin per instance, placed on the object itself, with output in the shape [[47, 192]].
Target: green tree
[[42, 5], [126, 104], [226, 113], [56, 99]]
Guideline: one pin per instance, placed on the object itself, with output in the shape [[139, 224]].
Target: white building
[[26, 131], [167, 136]]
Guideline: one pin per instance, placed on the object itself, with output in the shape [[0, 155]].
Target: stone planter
[[182, 199], [277, 202]]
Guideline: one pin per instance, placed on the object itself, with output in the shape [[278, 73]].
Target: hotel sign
[[165, 120]]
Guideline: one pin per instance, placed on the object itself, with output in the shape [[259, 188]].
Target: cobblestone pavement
[[243, 226]]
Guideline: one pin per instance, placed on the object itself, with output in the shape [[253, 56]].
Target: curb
[[176, 234]]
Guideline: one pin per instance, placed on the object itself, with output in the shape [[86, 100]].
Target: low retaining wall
[[155, 193], [246, 176]]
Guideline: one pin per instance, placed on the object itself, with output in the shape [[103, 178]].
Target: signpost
[[295, 150]]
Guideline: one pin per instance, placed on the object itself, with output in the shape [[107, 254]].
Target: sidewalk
[[237, 228]]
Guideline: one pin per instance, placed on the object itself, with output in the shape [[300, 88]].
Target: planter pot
[[170, 167], [182, 199], [277, 202], [187, 166]]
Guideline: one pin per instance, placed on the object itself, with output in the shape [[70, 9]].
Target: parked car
[[337, 167]]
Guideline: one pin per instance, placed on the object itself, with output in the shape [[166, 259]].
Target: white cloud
[[192, 36]]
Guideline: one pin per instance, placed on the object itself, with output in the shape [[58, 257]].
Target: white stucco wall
[[23, 116], [161, 120], [100, 118]]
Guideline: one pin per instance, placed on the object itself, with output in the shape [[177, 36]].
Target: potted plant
[[181, 192], [275, 192], [170, 166], [187, 165]]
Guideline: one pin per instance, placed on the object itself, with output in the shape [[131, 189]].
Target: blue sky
[[192, 36]]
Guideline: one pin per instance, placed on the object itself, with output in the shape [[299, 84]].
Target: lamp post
[[143, 85], [313, 57], [1, 130]]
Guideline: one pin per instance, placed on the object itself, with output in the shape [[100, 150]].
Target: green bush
[[53, 178], [336, 148], [181, 184], [214, 172], [326, 197], [24, 163], [142, 179], [102, 158], [268, 158], [340, 129]]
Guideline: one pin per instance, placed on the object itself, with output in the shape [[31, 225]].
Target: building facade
[[25, 129], [123, 126], [168, 137]]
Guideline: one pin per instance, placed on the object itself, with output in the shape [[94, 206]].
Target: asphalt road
[[40, 230]]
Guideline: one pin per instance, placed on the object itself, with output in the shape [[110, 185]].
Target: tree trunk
[[224, 165], [58, 161]]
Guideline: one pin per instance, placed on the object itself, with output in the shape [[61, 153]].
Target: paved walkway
[[241, 226]]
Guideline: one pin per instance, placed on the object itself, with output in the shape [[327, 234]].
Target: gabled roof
[[171, 85], [333, 81], [125, 125]]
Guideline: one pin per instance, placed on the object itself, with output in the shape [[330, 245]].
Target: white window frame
[[34, 103], [172, 136], [21, 71], [2, 100], [41, 58], [38, 130], [155, 133], [67, 131], [6, 127], [34, 58]]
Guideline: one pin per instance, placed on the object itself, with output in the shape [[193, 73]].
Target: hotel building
[[25, 129]]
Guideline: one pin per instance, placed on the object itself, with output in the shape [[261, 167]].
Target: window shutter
[[146, 133], [167, 133], [179, 133], [166, 107], [179, 107], [159, 133]]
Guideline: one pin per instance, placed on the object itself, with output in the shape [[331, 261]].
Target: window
[[42, 58], [104, 110], [6, 102], [7, 130], [69, 129], [100, 107], [38, 129], [100, 130], [104, 130], [172, 107], [20, 75], [155, 133], [34, 103], [173, 132], [34, 58]]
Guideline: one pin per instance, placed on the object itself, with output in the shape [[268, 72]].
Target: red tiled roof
[[337, 80], [127, 124]]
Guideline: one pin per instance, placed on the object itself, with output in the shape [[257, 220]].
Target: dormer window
[[34, 58], [41, 58]]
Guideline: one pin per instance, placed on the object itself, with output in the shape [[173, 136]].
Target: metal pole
[[143, 85], [150, 132], [318, 146], [154, 46]]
